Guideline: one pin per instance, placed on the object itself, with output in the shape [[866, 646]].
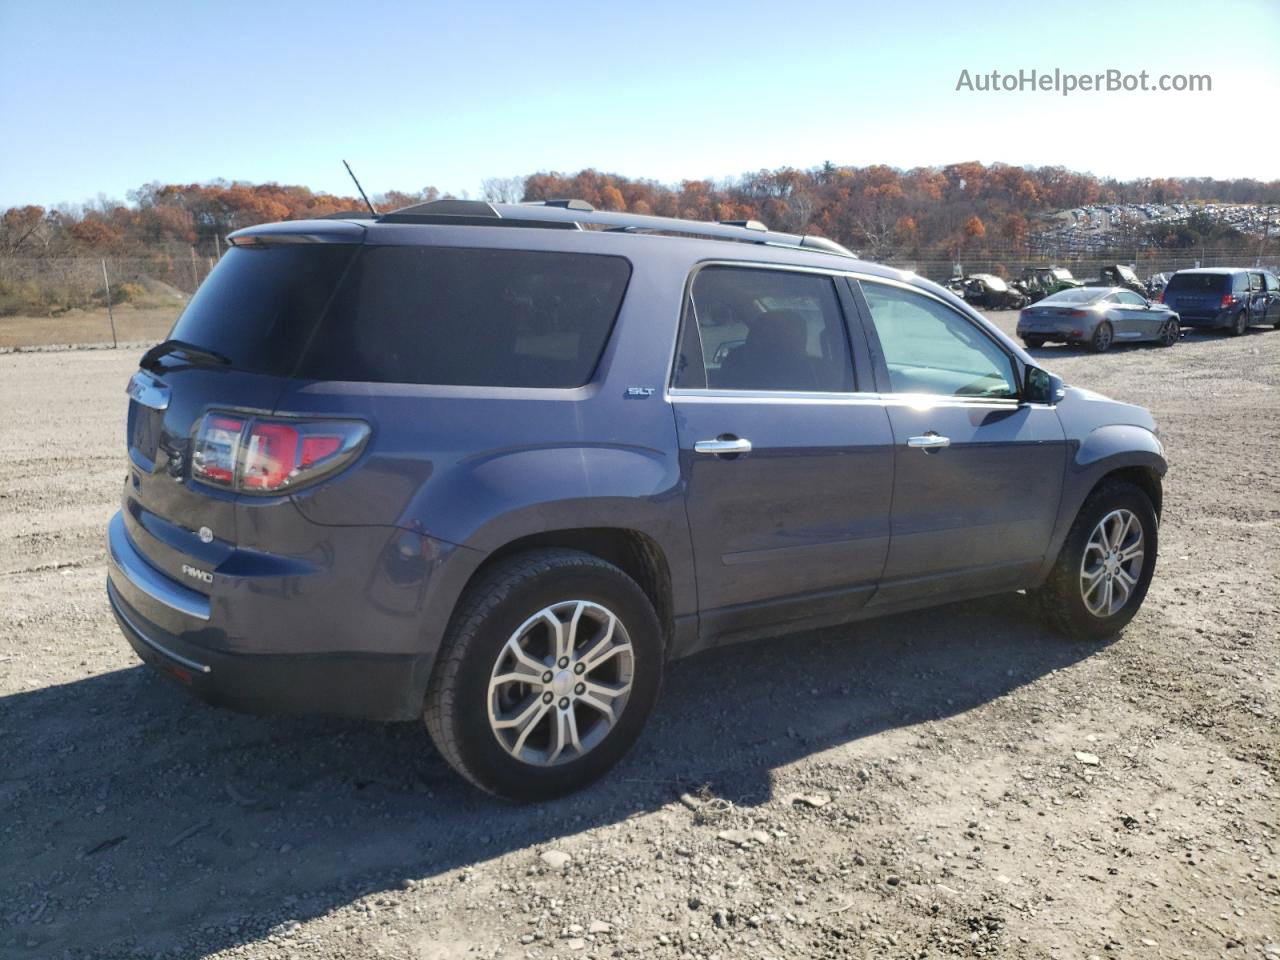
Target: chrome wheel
[[560, 683], [1112, 563]]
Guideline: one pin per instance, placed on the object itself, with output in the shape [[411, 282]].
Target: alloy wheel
[[1102, 337], [1171, 334], [560, 683], [1112, 563]]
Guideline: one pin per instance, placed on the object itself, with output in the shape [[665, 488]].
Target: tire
[[1033, 343], [1103, 337], [1171, 333], [511, 602], [1062, 597], [1240, 324]]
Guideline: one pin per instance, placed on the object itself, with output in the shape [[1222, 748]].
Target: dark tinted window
[[258, 306], [763, 330], [448, 315], [1199, 283]]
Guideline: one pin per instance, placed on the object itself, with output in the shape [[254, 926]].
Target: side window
[[929, 348], [1273, 282], [1131, 299], [753, 329], [1255, 281], [1239, 282]]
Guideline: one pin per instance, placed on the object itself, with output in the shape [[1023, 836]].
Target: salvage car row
[[1216, 298]]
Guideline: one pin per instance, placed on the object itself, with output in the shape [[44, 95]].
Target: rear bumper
[[1056, 330], [320, 642], [1208, 320], [375, 687]]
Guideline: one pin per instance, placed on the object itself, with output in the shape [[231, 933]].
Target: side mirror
[[1040, 386]]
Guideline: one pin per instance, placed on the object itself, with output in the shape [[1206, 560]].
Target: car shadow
[[139, 819]]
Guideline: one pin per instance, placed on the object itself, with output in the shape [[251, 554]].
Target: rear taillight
[[1227, 300], [1160, 297], [1077, 313], [268, 456]]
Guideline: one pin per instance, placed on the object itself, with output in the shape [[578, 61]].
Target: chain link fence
[[89, 300], [84, 300], [1146, 264]]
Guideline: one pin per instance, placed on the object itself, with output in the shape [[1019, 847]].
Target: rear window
[[480, 317], [1198, 283], [260, 303], [1075, 295]]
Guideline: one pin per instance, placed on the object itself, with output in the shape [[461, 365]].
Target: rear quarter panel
[[480, 467]]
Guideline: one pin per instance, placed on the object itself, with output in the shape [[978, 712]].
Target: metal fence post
[[110, 313]]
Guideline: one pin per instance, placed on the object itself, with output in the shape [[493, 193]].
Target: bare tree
[[503, 189]]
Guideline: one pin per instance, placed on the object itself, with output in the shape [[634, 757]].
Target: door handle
[[930, 441], [722, 446]]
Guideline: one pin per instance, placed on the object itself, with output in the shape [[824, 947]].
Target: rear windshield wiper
[[190, 351]]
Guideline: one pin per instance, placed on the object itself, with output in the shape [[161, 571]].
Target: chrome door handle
[[930, 441], [719, 448]]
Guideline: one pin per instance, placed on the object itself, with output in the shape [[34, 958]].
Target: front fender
[[1103, 451]]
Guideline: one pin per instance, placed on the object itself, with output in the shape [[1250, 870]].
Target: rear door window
[[754, 329], [467, 316]]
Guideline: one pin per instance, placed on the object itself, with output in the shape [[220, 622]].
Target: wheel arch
[[636, 554]]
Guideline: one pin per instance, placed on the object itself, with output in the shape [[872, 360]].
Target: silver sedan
[[1098, 317]]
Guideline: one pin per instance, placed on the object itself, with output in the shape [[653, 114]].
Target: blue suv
[[493, 466]]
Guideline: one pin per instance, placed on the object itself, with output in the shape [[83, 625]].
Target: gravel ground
[[956, 782]]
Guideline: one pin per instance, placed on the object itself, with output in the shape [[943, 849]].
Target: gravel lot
[[947, 783]]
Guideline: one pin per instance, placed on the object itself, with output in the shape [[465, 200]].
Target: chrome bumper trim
[[124, 557], [157, 647]]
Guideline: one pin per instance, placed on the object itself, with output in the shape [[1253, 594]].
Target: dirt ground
[[89, 326], [956, 782]]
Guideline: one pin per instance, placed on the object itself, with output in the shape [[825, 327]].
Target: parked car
[[452, 463], [1119, 275], [1040, 282], [988, 290], [1227, 298], [1098, 317], [1156, 283]]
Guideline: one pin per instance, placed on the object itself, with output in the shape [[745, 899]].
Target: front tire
[[1171, 333], [1102, 573], [550, 667], [1103, 337]]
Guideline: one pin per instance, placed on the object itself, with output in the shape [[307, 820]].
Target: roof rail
[[575, 214]]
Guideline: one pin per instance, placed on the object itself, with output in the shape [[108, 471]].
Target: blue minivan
[[1227, 298], [493, 466]]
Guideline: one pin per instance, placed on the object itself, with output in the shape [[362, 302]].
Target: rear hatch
[[232, 350], [1197, 294]]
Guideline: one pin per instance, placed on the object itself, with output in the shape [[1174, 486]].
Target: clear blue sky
[[102, 97]]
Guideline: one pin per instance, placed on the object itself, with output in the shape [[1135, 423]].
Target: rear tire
[[1034, 343], [1086, 573], [1239, 325], [1103, 337], [473, 706], [1171, 333]]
